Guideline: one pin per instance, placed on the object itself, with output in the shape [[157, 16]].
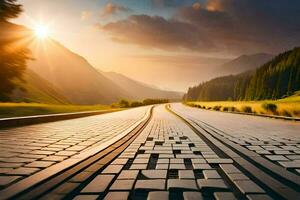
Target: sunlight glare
[[41, 32]]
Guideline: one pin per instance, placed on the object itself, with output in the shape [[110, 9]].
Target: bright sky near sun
[[137, 37]]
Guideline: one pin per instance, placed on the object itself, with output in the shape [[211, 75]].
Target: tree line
[[276, 79], [13, 54]]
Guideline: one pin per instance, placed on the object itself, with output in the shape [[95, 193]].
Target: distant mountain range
[[243, 63], [277, 78], [138, 90], [57, 75]]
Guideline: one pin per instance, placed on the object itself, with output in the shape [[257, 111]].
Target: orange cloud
[[111, 9]]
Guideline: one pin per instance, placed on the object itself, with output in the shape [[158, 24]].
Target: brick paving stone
[[166, 156], [211, 174], [117, 196], [161, 195], [163, 161], [176, 161], [182, 184], [290, 164], [33, 156], [112, 169], [201, 166], [54, 158], [66, 188], [192, 196], [18, 160], [177, 166], [162, 166], [258, 197], [293, 157], [276, 157], [128, 174], [143, 156], [40, 152], [66, 153], [198, 161], [119, 161], [140, 161], [10, 165], [155, 174], [224, 196], [40, 164], [122, 185], [138, 166], [247, 186], [282, 152], [81, 177], [219, 161], [211, 183], [186, 174], [86, 197], [23, 171], [5, 180], [98, 184], [5, 170], [237, 176], [156, 184], [229, 169]]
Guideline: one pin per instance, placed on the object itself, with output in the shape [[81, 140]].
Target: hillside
[[35, 89], [244, 63], [69, 73], [275, 79], [73, 75], [138, 90]]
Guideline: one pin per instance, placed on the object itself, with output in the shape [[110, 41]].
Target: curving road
[[173, 152]]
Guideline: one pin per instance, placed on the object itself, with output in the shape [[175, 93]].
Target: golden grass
[[27, 109], [285, 107]]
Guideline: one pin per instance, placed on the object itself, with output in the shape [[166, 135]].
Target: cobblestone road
[[27, 150], [275, 140], [181, 153]]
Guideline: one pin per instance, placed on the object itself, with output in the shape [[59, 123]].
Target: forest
[[276, 79]]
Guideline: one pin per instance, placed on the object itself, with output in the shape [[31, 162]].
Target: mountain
[[138, 90], [36, 89], [244, 63], [273, 80], [71, 74]]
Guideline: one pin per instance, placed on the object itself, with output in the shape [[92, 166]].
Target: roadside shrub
[[217, 108], [297, 112], [204, 107], [136, 104], [124, 103], [247, 109], [208, 108], [286, 113], [233, 109], [270, 107], [226, 108]]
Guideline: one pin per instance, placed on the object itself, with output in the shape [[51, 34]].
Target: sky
[[161, 42]]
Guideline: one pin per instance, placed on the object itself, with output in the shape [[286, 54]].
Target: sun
[[41, 32]]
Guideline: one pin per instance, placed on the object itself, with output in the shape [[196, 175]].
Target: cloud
[[230, 26], [85, 15], [112, 9], [157, 32]]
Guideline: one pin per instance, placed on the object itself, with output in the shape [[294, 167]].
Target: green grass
[[28, 109], [289, 107]]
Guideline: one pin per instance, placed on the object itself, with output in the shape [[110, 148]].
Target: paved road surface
[[181, 153]]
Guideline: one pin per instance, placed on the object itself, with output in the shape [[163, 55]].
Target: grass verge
[[288, 107], [28, 109]]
